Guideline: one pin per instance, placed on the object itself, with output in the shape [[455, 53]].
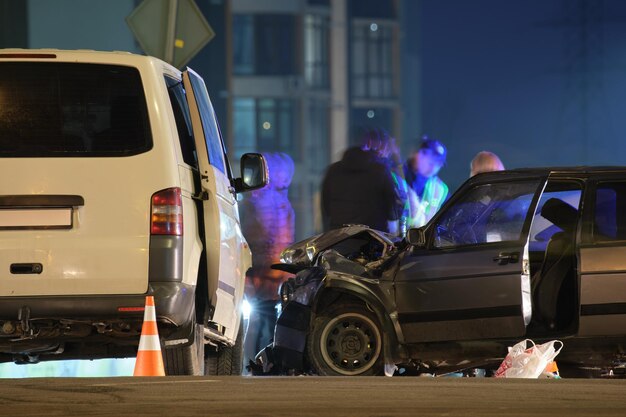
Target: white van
[[114, 185]]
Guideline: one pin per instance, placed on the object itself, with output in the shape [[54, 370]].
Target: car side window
[[212, 135], [176, 93], [544, 226], [486, 214], [610, 212]]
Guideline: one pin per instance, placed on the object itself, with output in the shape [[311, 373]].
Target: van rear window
[[72, 110]]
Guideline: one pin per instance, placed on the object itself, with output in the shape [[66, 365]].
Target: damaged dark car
[[532, 253]]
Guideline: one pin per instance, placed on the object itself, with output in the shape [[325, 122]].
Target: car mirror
[[416, 237], [253, 173]]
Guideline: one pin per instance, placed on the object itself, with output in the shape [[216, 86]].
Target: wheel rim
[[350, 344]]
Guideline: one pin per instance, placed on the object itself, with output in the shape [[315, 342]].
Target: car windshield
[[488, 213], [70, 109]]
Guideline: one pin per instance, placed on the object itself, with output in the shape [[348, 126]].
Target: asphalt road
[[310, 396]]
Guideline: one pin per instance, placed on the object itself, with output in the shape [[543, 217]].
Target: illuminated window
[[265, 125]]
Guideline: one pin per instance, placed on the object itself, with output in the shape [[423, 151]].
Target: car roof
[[577, 171]]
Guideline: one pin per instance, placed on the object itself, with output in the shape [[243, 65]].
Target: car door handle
[[507, 258]]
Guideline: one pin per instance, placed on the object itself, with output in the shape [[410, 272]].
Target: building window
[[316, 51], [324, 3], [374, 9], [265, 125], [372, 65], [318, 136], [264, 44], [243, 44]]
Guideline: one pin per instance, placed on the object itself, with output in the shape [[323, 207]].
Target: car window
[[212, 134], [485, 214], [53, 109], [542, 228], [610, 212], [176, 92]]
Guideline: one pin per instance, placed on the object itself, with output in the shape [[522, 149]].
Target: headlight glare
[[286, 256], [286, 291]]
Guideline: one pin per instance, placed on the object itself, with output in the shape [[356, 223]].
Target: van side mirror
[[253, 173], [416, 237]]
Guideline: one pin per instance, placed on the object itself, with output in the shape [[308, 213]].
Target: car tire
[[226, 360], [346, 339], [186, 360]]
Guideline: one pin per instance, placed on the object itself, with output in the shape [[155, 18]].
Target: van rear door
[[74, 206]]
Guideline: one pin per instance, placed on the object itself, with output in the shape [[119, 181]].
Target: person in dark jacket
[[359, 189]]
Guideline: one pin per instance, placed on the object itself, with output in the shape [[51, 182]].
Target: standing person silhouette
[[359, 189], [268, 223], [485, 162], [421, 172]]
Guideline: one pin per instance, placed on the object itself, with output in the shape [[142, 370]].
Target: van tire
[[226, 360], [186, 360]]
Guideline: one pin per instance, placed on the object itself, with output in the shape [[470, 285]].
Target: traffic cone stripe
[[150, 342], [149, 358], [149, 314], [149, 328]]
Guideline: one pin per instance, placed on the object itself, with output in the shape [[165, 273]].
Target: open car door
[[223, 237], [471, 281]]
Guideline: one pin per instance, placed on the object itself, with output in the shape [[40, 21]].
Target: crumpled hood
[[303, 253]]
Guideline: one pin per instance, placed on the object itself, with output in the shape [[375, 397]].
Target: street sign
[[173, 30]]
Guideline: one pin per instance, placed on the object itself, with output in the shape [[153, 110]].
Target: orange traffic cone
[[149, 358]]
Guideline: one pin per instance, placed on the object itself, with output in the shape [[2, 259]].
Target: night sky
[[538, 82]]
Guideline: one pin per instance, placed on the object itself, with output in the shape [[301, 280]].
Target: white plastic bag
[[528, 362]]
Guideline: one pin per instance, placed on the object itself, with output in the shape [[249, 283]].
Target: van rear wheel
[[226, 360], [186, 360]]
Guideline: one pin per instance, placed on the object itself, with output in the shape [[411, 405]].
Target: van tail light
[[167, 213]]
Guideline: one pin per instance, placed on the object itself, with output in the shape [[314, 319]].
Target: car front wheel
[[346, 340]]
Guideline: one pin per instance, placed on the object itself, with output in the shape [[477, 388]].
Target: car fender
[[377, 294]]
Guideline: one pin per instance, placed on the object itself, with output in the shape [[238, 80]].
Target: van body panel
[[107, 248], [98, 266]]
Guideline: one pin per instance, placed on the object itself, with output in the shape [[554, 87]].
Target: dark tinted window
[[373, 9], [68, 110], [180, 109], [212, 135], [264, 44], [325, 3], [610, 212]]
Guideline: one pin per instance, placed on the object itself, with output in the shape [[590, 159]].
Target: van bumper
[[174, 302]]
